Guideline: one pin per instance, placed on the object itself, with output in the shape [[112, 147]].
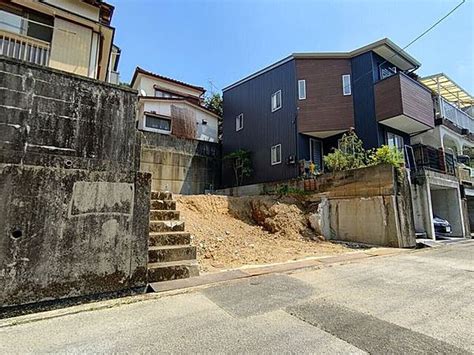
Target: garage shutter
[[71, 47]]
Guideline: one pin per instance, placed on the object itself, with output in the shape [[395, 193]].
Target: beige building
[[70, 35], [171, 107]]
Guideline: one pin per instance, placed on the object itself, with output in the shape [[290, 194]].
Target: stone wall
[[73, 206], [179, 165]]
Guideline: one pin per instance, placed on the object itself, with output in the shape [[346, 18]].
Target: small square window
[[276, 154], [239, 122], [346, 85], [302, 89], [276, 101], [159, 124]]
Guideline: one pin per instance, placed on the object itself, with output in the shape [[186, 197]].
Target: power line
[[416, 39]]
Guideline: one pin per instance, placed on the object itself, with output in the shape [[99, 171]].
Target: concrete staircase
[[170, 255]]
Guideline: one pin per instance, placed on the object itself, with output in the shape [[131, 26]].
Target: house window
[[239, 122], [346, 84], [387, 72], [276, 154], [159, 124], [276, 101], [165, 94], [29, 24], [301, 89], [395, 141]]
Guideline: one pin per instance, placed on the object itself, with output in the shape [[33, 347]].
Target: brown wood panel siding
[[401, 95], [417, 102], [388, 98], [325, 107]]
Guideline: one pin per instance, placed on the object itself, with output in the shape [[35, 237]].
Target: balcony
[[447, 111], [24, 48], [426, 157], [403, 104]]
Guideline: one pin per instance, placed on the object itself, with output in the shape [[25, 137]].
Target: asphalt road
[[419, 302]]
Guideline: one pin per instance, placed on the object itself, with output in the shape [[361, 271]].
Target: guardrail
[[24, 48], [455, 115]]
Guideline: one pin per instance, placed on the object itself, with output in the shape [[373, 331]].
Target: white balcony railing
[[24, 48], [455, 115]]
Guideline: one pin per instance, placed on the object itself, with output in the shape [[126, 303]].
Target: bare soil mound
[[235, 231]]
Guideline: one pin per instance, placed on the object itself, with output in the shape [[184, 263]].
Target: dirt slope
[[235, 231]]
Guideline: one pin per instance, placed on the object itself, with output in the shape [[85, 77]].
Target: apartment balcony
[[446, 111], [403, 104]]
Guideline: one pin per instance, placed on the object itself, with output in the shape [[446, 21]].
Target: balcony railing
[[24, 48], [451, 113], [427, 157]]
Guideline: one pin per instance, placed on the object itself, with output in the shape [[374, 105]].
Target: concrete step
[[172, 270], [161, 195], [164, 215], [159, 254], [163, 205], [166, 226], [169, 238]]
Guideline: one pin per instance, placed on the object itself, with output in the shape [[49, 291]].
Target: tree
[[241, 164], [214, 103]]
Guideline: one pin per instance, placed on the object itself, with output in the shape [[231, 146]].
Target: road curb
[[175, 287]]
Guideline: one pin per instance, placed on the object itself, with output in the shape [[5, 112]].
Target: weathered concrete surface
[[369, 205], [184, 166], [417, 302], [73, 205]]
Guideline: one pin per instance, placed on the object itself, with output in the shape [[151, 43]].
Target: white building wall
[[147, 84], [204, 131]]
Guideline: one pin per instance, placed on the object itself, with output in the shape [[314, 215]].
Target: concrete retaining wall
[[179, 165], [369, 205], [73, 206]]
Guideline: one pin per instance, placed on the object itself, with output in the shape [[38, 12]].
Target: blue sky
[[224, 40]]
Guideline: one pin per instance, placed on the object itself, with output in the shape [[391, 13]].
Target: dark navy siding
[[262, 128], [363, 76], [365, 73]]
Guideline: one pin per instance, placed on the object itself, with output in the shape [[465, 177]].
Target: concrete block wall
[[73, 205], [179, 165]]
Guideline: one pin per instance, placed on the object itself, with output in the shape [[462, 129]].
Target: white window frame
[[302, 93], [239, 118], [151, 129], [274, 95], [274, 149], [395, 138], [346, 88]]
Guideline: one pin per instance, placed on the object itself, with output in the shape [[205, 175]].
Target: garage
[[437, 206]]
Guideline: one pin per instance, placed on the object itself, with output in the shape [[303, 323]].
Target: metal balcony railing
[[427, 157], [457, 116], [24, 48]]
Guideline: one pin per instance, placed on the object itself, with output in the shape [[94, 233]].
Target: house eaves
[[384, 48]]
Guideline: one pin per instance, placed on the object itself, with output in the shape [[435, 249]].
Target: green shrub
[[350, 154], [387, 155]]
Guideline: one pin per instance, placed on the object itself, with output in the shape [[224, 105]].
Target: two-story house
[[172, 107], [298, 108], [70, 35], [179, 134]]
